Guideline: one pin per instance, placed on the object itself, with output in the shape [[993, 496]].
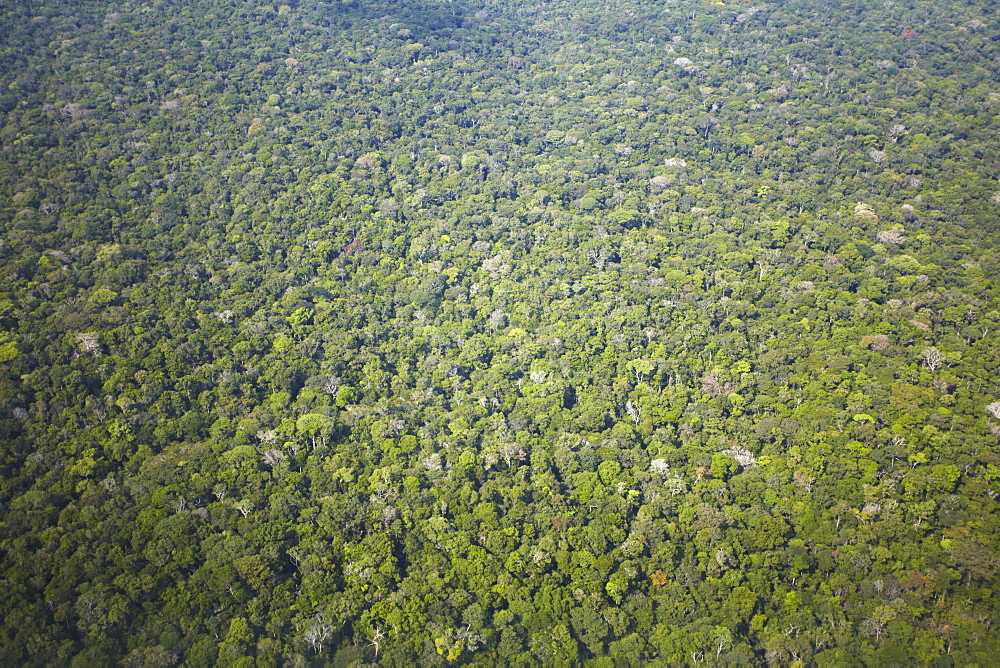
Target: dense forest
[[535, 332]]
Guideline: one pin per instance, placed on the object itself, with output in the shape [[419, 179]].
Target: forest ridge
[[552, 332]]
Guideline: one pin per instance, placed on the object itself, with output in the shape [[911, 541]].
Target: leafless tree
[[433, 462], [598, 257], [331, 385], [863, 211], [659, 183], [178, 505], [634, 412], [879, 157], [317, 634], [804, 480], [497, 319], [509, 452], [273, 458], [895, 131], [932, 357], [893, 236], [389, 208], [993, 409], [89, 343], [743, 457], [378, 637], [388, 515]]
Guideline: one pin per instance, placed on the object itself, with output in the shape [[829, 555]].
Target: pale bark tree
[[932, 357], [317, 635]]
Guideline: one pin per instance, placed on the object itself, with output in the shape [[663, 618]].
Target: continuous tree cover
[[549, 332]]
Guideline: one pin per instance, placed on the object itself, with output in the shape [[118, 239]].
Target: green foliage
[[527, 333]]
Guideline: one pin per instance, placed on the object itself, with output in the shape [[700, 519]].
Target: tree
[[316, 426], [317, 634], [510, 452], [931, 357], [633, 411], [274, 328]]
